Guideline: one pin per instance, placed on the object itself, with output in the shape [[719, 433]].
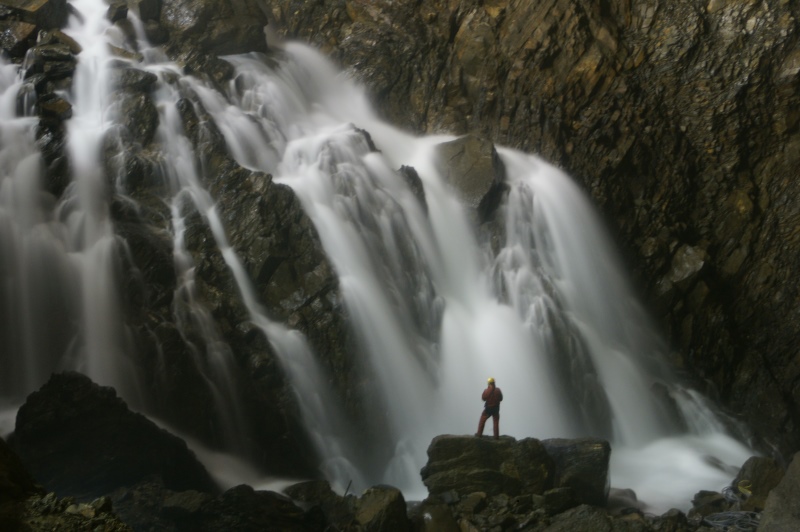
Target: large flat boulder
[[465, 464], [80, 439]]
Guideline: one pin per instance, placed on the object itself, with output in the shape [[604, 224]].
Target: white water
[[551, 317], [555, 291]]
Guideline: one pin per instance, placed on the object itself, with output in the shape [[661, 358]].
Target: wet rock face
[[681, 121], [217, 28], [473, 168]]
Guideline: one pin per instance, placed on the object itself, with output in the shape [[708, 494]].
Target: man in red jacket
[[491, 408]]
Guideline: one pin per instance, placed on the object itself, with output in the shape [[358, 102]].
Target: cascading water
[[434, 308], [551, 317], [61, 255]]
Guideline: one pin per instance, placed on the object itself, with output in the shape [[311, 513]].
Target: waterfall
[[434, 307], [551, 316]]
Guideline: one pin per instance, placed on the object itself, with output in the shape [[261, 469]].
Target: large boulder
[[467, 464], [80, 439], [473, 168], [582, 465], [782, 510], [569, 471]]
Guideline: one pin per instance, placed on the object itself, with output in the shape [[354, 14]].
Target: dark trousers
[[490, 412]]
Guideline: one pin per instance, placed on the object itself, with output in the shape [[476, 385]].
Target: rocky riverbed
[[98, 466]]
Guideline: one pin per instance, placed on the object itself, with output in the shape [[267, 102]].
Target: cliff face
[[679, 118]]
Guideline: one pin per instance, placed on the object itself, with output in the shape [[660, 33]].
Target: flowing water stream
[[435, 308]]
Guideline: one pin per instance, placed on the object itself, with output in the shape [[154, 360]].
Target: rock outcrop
[[680, 119], [472, 167], [465, 464], [782, 509], [79, 439]]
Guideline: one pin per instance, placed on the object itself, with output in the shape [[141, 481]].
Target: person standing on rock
[[492, 396]]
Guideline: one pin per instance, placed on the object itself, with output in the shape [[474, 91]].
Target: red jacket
[[492, 395]]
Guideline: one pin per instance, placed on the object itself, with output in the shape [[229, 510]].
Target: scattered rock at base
[[80, 439], [244, 509], [24, 505]]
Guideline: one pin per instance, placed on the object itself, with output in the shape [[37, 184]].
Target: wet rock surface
[[680, 119], [473, 168], [569, 471], [782, 510], [80, 439]]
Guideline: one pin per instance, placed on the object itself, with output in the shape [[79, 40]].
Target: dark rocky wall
[[680, 119]]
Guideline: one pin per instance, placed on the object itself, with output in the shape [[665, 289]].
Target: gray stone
[[471, 165], [581, 464], [383, 509], [782, 510]]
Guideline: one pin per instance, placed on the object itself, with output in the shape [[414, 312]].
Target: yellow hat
[[490, 380]]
